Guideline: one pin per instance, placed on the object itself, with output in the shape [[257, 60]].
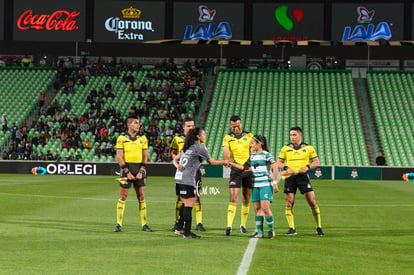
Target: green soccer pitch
[[63, 225]]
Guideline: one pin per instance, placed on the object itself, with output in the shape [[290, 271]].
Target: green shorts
[[264, 193]]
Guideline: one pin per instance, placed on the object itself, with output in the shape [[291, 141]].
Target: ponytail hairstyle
[[263, 141], [191, 137]]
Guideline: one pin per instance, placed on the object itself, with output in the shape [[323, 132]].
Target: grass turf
[[63, 225]]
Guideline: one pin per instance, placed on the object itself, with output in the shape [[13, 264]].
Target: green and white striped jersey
[[260, 164]]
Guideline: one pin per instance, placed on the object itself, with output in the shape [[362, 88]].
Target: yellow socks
[[244, 214], [120, 212], [231, 212], [178, 206], [289, 217], [198, 213], [142, 205], [317, 215]]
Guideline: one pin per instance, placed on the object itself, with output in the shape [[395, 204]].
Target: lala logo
[[364, 16], [206, 15], [201, 31], [369, 32]]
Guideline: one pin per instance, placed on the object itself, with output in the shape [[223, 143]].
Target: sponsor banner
[[77, 168], [48, 20], [129, 21], [364, 21], [293, 21], [321, 173], [212, 20], [357, 173]]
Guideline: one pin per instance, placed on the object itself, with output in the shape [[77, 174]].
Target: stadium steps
[[367, 120]]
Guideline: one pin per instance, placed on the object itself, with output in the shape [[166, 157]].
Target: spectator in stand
[[13, 131], [87, 144], [49, 155], [67, 105], [380, 160], [4, 122], [57, 156], [78, 156]]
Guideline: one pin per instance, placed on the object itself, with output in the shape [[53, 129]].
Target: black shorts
[[186, 191], [197, 182], [300, 181], [240, 178], [134, 169]]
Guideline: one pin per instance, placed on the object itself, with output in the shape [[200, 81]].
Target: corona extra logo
[[131, 13], [283, 19], [129, 28]]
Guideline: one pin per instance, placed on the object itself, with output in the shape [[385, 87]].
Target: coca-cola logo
[[59, 20]]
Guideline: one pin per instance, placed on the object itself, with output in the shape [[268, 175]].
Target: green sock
[[270, 223], [259, 224]]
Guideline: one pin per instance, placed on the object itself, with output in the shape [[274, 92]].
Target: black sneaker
[[175, 227], [117, 228], [200, 227], [319, 232], [191, 235], [256, 235], [179, 232], [271, 234], [228, 231], [291, 232], [146, 228], [243, 230]]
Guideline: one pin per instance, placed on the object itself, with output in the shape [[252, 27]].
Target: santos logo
[[281, 15], [283, 19]]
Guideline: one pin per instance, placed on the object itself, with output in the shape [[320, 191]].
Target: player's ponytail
[[191, 137]]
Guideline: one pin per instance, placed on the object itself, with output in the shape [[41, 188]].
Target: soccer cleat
[[146, 228], [117, 228], [200, 227], [179, 232], [243, 230], [319, 232], [256, 235], [271, 234], [228, 231], [191, 235], [291, 232]]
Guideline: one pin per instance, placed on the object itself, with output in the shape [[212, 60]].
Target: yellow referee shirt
[[177, 143], [132, 147], [297, 157], [239, 146]]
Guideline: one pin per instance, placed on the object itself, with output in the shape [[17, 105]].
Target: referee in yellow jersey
[[297, 159], [132, 157], [236, 147]]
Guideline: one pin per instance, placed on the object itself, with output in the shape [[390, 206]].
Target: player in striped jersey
[[259, 163]]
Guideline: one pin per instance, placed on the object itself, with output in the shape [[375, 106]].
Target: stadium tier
[[269, 102], [19, 92], [392, 95], [123, 100]]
